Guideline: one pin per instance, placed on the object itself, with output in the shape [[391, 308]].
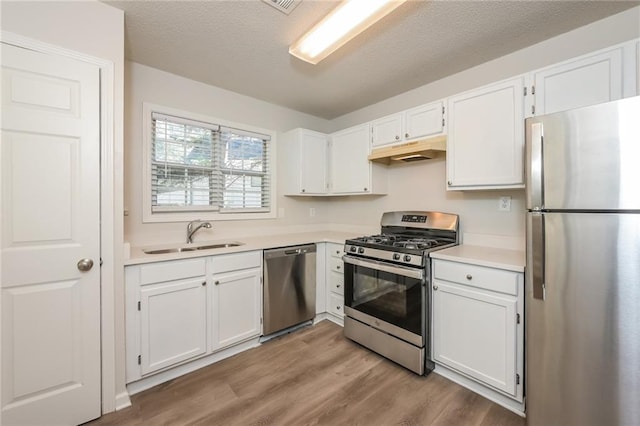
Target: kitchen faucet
[[191, 230]]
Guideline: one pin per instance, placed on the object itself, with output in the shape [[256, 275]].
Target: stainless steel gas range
[[387, 299]]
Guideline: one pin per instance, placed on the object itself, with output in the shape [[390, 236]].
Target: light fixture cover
[[345, 22]]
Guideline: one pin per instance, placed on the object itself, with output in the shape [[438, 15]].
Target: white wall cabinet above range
[[316, 164], [485, 143], [420, 122]]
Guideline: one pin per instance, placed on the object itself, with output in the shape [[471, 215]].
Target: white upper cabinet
[[351, 171], [420, 122], [485, 143], [316, 164], [579, 82], [305, 158]]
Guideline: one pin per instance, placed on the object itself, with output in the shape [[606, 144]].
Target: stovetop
[[407, 237]]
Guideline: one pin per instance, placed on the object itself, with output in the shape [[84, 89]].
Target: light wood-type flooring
[[311, 376]]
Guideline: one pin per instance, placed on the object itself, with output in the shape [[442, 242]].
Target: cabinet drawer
[[172, 270], [336, 282], [336, 302], [477, 276], [336, 264], [336, 250], [236, 261]]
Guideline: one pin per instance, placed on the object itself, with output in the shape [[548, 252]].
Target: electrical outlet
[[505, 204], [312, 212]]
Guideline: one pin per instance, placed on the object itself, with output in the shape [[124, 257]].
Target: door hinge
[[139, 359], [443, 122], [517, 379], [101, 262], [138, 305], [260, 320], [533, 89], [517, 318], [525, 90], [533, 109], [443, 109]]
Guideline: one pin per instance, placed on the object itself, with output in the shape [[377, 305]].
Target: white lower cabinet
[[181, 310], [335, 281], [478, 324], [173, 319], [236, 301]]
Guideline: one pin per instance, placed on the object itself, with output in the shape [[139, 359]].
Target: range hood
[[423, 149]]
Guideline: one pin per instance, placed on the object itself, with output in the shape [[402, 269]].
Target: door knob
[[85, 265]]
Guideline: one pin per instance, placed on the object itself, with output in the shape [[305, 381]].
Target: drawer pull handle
[[469, 277], [435, 287]]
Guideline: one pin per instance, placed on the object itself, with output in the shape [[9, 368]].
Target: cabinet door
[[313, 163], [580, 82], [424, 121], [386, 130], [235, 308], [173, 322], [485, 145], [474, 332], [350, 168]]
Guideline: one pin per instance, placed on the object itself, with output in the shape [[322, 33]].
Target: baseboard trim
[[123, 400]]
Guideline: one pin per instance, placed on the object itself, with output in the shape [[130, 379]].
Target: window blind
[[198, 166]]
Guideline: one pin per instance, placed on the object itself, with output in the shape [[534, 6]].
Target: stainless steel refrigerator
[[583, 266]]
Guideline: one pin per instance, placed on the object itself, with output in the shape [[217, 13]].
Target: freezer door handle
[[538, 255], [535, 171]]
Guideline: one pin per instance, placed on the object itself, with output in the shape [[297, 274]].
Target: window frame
[[149, 216]]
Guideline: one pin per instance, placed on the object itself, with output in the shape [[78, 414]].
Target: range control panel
[[411, 218]]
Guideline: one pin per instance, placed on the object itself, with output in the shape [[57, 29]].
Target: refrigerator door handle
[[538, 255], [535, 170]]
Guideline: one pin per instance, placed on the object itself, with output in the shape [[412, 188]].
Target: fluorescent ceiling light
[[345, 22]]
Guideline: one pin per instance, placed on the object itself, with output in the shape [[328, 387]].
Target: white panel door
[[350, 168], [313, 163], [386, 130], [50, 221], [424, 121], [236, 307], [485, 146], [173, 320], [474, 332], [580, 82]]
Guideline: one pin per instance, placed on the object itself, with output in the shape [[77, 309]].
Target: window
[[196, 168]]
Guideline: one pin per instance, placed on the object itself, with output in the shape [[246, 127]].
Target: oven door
[[386, 296]]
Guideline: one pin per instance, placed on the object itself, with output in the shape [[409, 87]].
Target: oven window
[[390, 297]]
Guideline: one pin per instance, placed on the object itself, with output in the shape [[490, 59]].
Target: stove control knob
[[396, 256], [407, 258], [360, 250], [353, 249]]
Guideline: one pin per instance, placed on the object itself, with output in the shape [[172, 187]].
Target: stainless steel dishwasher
[[289, 287]]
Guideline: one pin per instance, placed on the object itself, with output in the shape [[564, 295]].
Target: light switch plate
[[504, 204]]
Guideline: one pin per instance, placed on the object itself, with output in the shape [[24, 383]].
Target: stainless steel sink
[[179, 249]]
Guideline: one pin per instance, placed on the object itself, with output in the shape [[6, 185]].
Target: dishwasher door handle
[[290, 252]]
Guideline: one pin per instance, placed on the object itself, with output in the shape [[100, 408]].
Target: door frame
[[111, 227]]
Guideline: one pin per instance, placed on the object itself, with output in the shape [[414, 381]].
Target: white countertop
[[249, 244], [511, 260]]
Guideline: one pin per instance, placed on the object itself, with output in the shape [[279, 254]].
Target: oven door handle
[[417, 273]]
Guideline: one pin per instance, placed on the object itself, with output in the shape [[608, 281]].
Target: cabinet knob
[[338, 267], [338, 307], [406, 135], [397, 137], [435, 287], [365, 189], [337, 285], [303, 190], [204, 283], [217, 282], [469, 277], [449, 182], [337, 251]]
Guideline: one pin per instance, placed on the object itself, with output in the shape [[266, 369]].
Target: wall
[[94, 29], [421, 185], [145, 84]]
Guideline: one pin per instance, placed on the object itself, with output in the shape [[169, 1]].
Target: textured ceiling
[[242, 45]]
